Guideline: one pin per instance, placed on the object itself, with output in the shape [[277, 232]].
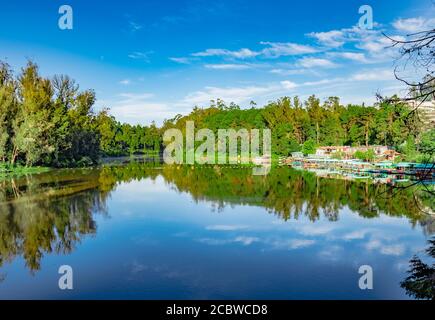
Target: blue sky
[[150, 60]]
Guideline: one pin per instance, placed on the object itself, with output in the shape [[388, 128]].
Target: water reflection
[[48, 213], [52, 212], [420, 282]]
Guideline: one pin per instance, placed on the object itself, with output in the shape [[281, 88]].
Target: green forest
[[50, 122]]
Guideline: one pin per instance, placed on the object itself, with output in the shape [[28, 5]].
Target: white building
[[426, 110]]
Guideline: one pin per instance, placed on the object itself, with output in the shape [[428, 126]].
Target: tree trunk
[[367, 134], [317, 133], [14, 155]]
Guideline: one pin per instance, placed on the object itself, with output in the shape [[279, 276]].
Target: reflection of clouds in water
[[240, 239], [293, 243], [274, 243], [386, 249], [246, 240], [225, 227], [137, 267], [315, 230], [331, 252], [402, 266], [329, 238], [356, 235]]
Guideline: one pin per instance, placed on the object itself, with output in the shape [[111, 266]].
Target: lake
[[150, 231]]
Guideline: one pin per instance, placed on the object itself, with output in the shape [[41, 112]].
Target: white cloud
[[241, 54], [412, 25], [139, 109], [375, 74], [144, 56], [229, 94], [288, 72], [273, 50], [181, 60], [337, 38], [375, 45], [135, 97], [278, 49], [134, 26], [355, 56], [288, 84], [125, 82], [225, 227], [227, 66], [309, 62], [333, 38], [321, 82]]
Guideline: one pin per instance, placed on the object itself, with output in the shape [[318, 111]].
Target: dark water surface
[[154, 231]]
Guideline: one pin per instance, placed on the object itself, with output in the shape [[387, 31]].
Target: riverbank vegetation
[[51, 123], [303, 126]]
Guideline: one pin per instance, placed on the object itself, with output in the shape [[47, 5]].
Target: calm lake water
[[152, 231]]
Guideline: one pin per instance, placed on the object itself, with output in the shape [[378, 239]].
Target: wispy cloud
[[278, 49], [125, 82], [273, 50], [286, 84], [181, 60], [241, 54], [139, 108], [144, 56], [333, 38], [354, 56], [234, 94], [337, 38], [134, 26], [246, 241], [412, 25], [288, 72], [374, 74], [225, 227], [228, 66], [310, 62]]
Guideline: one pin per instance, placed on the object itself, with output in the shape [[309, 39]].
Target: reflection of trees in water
[[420, 282], [290, 193], [51, 212], [47, 213]]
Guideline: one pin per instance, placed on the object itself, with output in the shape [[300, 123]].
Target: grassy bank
[[7, 170]]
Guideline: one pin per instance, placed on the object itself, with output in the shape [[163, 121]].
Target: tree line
[[50, 122], [304, 125]]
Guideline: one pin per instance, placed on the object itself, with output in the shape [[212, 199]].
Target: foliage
[[309, 147], [368, 155], [420, 282], [51, 123]]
